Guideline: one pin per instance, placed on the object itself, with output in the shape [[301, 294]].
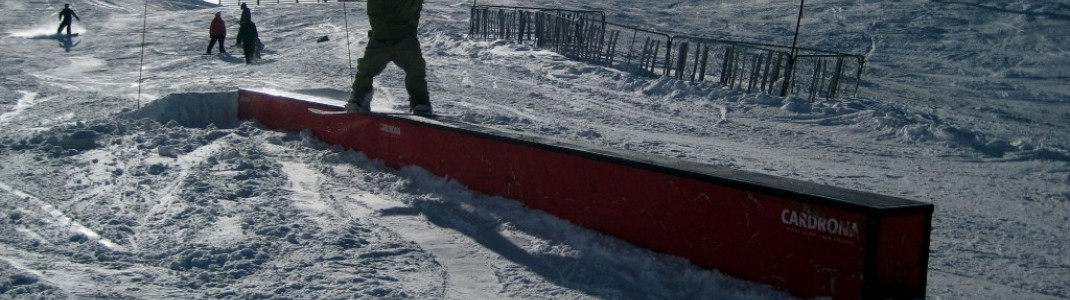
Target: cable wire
[[349, 50], [141, 67]]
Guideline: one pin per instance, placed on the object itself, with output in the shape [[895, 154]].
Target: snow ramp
[[808, 239]]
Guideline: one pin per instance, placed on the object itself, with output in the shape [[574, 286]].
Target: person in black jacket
[[250, 42], [246, 17], [65, 19]]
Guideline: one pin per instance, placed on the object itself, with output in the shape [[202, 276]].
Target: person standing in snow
[[246, 17], [392, 39], [65, 19], [218, 33], [250, 41]]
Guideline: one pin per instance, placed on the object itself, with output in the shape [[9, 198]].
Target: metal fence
[[750, 67], [765, 68], [264, 2], [827, 75], [578, 34], [570, 32], [636, 50]]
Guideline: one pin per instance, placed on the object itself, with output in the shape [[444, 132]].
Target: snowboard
[[345, 112]]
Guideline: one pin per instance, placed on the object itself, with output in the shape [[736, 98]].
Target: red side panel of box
[[805, 248]]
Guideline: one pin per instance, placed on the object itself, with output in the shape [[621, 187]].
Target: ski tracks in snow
[[467, 273], [475, 259], [59, 219], [28, 100]]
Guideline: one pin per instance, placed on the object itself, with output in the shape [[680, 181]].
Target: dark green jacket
[[394, 19]]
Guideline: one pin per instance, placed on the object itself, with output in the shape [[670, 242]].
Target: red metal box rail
[[809, 239]]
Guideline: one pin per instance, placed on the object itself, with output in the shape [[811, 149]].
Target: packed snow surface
[[124, 173]]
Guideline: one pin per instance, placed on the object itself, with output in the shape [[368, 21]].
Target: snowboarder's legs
[[406, 55], [411, 60], [212, 44], [65, 23], [372, 64], [249, 49]]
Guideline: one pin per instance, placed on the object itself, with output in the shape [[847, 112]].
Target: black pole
[[791, 58], [349, 49], [141, 65]]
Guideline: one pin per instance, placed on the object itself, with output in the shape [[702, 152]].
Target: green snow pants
[[404, 53]]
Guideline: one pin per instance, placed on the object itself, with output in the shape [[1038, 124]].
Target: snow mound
[[194, 110]]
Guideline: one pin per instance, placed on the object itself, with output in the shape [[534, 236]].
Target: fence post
[[611, 54], [754, 73], [765, 74], [507, 25], [788, 73], [791, 61], [522, 26], [602, 40], [814, 83], [776, 72], [834, 82], [724, 64], [631, 47], [858, 77], [694, 66], [473, 21], [540, 29], [740, 61], [741, 70], [580, 35], [643, 54], [654, 56], [731, 79], [561, 38], [501, 24], [682, 61], [594, 42], [668, 56], [481, 28], [705, 60], [488, 24]]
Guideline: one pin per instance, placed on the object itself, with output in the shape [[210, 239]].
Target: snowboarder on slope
[[217, 32], [392, 39], [65, 19]]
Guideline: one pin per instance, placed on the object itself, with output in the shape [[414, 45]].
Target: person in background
[[218, 33], [246, 17], [250, 42], [392, 39], [65, 19]]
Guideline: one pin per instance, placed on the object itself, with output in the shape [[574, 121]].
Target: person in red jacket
[[218, 32]]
